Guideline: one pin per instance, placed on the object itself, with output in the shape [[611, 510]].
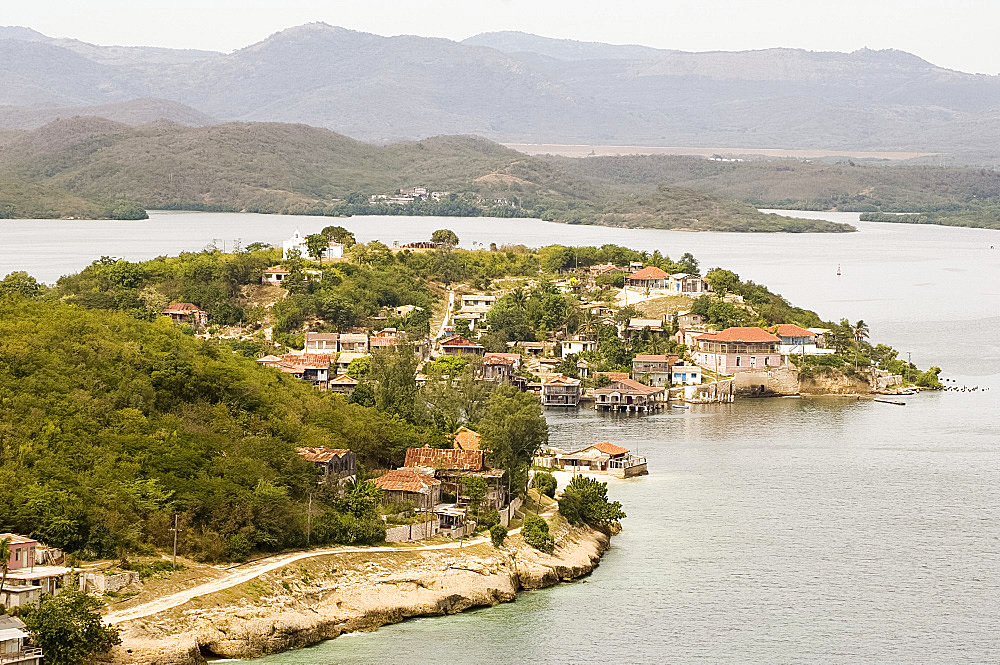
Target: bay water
[[817, 530]]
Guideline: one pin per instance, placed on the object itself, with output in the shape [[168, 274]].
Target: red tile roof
[[501, 358], [614, 376], [321, 454], [382, 341], [467, 439], [450, 459], [740, 335], [628, 386], [343, 380], [561, 381], [405, 480], [610, 448], [458, 340], [649, 272], [180, 308], [792, 330], [652, 358], [277, 270]]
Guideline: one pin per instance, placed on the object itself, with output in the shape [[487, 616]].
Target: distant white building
[[335, 250]]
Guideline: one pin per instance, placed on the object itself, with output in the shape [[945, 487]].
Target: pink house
[[737, 350], [22, 551]]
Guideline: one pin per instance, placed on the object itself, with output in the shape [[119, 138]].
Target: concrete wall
[[407, 532], [101, 583], [767, 382], [717, 391]]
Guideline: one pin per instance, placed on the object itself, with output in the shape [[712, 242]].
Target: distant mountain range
[[512, 87]]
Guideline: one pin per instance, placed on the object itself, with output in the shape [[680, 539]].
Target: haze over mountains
[[512, 87]]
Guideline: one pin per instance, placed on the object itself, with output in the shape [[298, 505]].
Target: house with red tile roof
[[457, 345], [413, 486], [467, 439], [336, 463], [629, 396], [185, 312], [736, 350], [649, 277], [604, 457], [275, 275], [453, 466]]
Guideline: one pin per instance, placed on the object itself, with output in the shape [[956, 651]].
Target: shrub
[[536, 533], [498, 533], [488, 519], [546, 483], [585, 501], [238, 547]]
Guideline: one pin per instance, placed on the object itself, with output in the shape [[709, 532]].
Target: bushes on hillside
[[545, 483], [536, 533], [498, 533]]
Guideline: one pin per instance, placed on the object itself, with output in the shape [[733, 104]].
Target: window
[[737, 361], [766, 358]]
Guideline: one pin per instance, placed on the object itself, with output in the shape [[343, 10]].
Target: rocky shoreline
[[326, 596]]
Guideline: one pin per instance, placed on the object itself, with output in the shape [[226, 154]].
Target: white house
[[478, 300], [335, 250], [578, 344], [799, 341], [683, 374], [13, 639]]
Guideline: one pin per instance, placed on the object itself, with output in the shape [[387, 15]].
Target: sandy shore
[[323, 597]]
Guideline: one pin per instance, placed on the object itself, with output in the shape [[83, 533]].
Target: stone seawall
[[324, 597]]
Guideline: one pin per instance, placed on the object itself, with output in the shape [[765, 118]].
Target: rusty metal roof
[[405, 480], [321, 454], [450, 459]]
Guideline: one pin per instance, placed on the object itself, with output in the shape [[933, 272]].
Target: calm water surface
[[769, 531]]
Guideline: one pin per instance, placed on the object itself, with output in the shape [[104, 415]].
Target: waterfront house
[[185, 312], [413, 486], [14, 643], [583, 369], [336, 463], [649, 277], [561, 391], [604, 457], [685, 374], [321, 342], [653, 369], [737, 350], [459, 346], [311, 367], [578, 344], [796, 340], [275, 275], [630, 396], [453, 466]]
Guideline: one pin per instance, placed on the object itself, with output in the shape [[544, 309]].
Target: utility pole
[[175, 529]]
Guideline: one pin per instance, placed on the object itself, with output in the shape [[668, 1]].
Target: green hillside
[[110, 425], [296, 169]]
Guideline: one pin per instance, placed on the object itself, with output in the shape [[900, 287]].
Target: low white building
[[796, 340], [334, 250], [578, 344], [478, 300], [684, 374]]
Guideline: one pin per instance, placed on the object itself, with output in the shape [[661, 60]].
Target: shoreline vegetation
[[95, 168]]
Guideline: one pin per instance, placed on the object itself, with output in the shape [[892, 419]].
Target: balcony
[[28, 653]]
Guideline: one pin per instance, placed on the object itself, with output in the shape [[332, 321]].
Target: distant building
[[459, 346], [655, 326], [13, 643], [420, 489], [655, 367], [185, 312], [688, 319], [27, 581], [578, 344], [342, 383], [311, 367], [453, 466], [316, 342], [501, 367], [478, 300], [297, 242], [685, 284], [467, 439], [684, 374], [275, 275], [602, 457], [737, 350], [353, 343], [561, 391], [630, 396], [336, 463], [796, 340]]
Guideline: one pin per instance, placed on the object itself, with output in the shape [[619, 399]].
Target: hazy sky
[[960, 34]]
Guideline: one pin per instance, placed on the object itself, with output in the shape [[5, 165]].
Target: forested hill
[[86, 166], [110, 425]]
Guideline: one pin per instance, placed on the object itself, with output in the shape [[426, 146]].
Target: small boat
[[680, 406], [891, 401], [838, 270]]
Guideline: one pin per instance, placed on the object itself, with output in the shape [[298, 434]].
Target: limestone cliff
[[323, 597]]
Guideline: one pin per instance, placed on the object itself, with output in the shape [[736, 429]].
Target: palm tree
[[4, 559], [860, 331]]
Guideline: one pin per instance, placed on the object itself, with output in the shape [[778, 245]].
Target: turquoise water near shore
[[768, 531]]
